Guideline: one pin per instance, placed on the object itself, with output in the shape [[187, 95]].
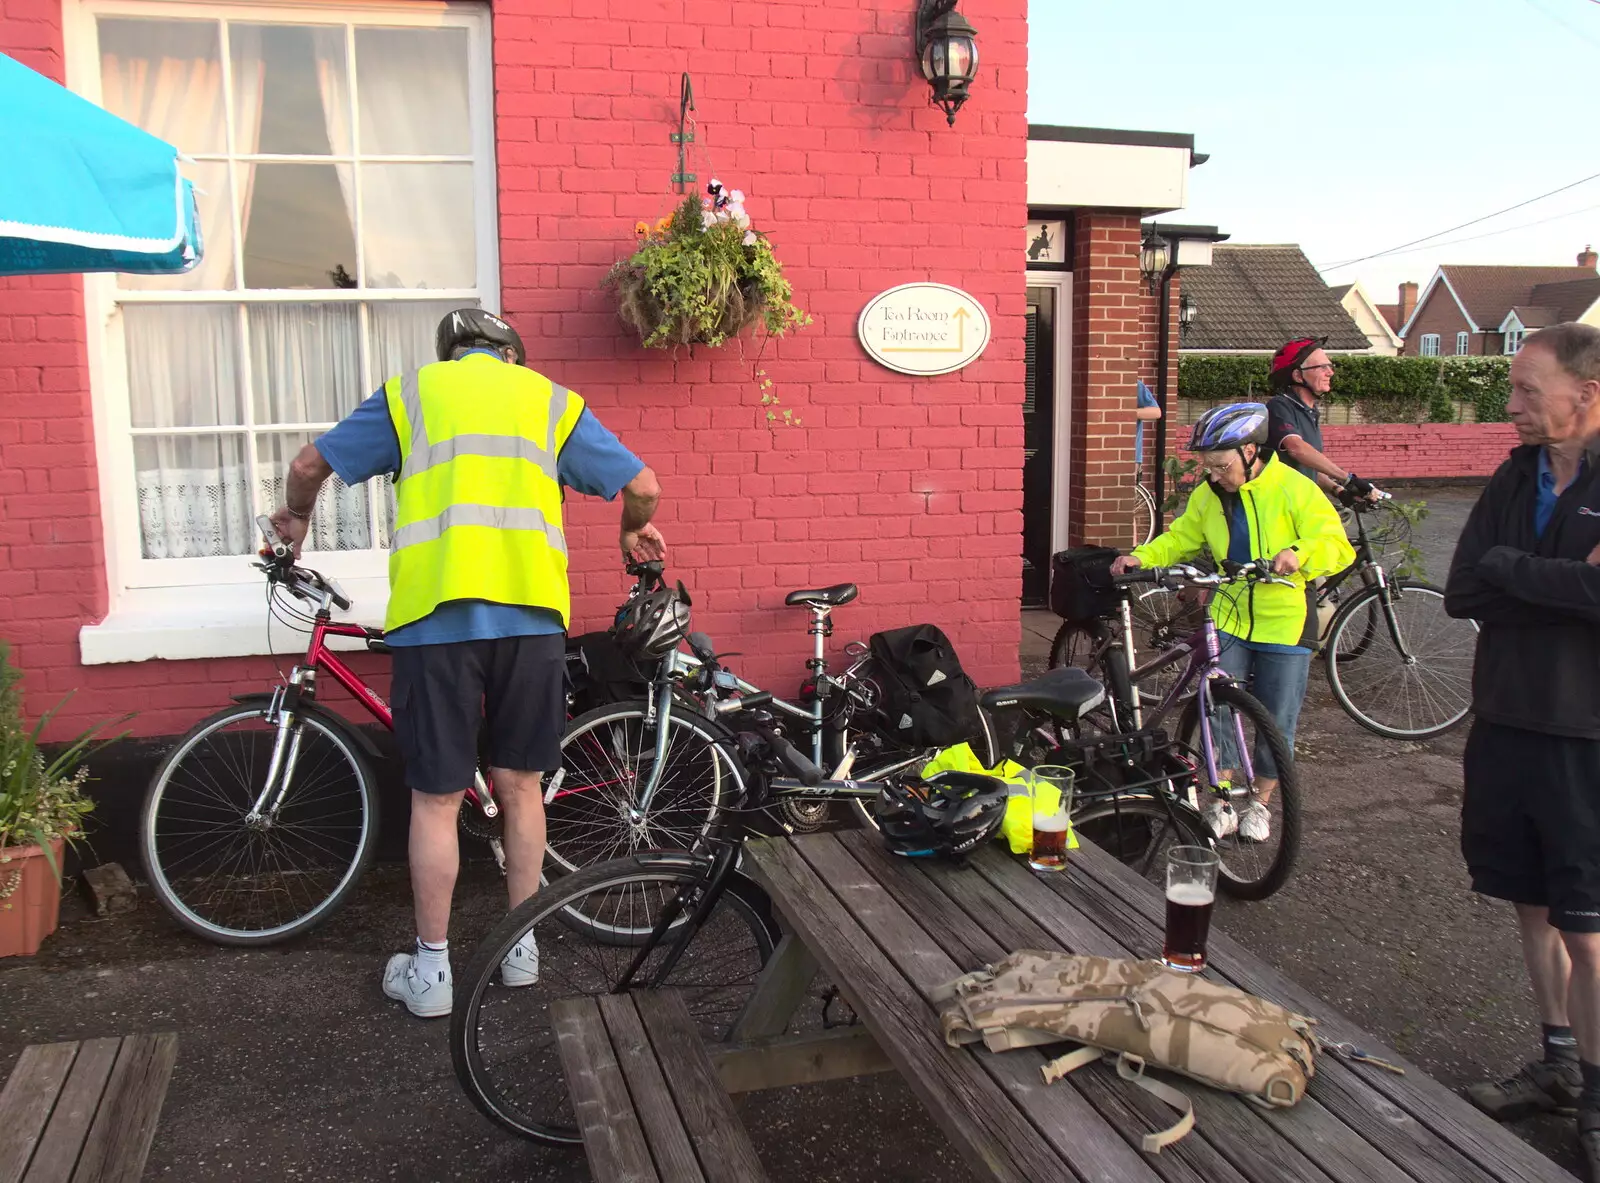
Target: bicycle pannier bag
[[1080, 583], [927, 699]]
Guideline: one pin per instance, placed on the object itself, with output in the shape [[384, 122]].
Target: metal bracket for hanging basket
[[682, 137]]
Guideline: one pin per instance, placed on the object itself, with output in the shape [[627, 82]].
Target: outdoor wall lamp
[[947, 46], [1155, 252], [1187, 311]]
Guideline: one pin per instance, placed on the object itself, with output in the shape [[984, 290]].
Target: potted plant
[[701, 275], [42, 806]]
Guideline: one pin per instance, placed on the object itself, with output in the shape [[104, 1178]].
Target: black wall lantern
[[1155, 252], [1187, 311], [947, 46]]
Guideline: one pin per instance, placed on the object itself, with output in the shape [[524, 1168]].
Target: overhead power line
[[1451, 230], [1494, 233]]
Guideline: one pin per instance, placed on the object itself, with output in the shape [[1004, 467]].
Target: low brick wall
[[1423, 451]]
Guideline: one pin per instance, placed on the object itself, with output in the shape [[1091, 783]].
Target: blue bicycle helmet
[[1231, 426]]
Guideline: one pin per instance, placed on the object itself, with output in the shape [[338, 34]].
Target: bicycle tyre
[[1234, 880], [568, 966], [1138, 829], [1451, 688], [1144, 515], [162, 807], [585, 825]]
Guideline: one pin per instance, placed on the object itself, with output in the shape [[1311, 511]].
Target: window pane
[[183, 365], [194, 496], [215, 272], [340, 520], [305, 362], [400, 334], [165, 76], [412, 90], [291, 91], [418, 225], [300, 232]]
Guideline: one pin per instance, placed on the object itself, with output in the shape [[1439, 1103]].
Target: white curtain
[[333, 81]]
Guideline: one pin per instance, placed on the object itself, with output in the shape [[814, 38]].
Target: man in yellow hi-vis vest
[[480, 449]]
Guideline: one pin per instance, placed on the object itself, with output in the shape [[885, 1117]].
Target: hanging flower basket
[[701, 276]]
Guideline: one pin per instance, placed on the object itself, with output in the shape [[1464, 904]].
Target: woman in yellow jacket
[[1253, 506]]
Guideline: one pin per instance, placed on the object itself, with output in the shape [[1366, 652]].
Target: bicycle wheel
[[1250, 870], [607, 756], [235, 881], [501, 1042], [1144, 516], [1419, 693], [1139, 830]]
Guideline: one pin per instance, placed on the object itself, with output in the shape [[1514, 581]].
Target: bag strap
[[1131, 1069]]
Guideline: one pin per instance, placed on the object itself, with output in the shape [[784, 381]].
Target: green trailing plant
[[1384, 389], [1183, 474], [42, 797], [1408, 562]]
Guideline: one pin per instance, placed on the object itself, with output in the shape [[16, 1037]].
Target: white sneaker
[[1255, 823], [1220, 817], [427, 999], [521, 965]]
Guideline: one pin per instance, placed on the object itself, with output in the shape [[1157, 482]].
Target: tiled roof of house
[[1390, 313], [1568, 300], [1258, 297], [1340, 292], [1488, 293], [1534, 317]]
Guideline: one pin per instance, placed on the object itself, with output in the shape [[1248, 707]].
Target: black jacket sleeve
[[1467, 594], [1568, 586]]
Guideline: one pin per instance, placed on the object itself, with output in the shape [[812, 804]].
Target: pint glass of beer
[[1050, 813], [1191, 892]]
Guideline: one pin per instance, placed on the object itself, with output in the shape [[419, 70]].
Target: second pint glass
[[1191, 894], [1051, 812]]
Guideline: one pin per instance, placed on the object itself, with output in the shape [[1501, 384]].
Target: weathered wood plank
[[1418, 1151], [1077, 1133], [613, 1141], [670, 1146], [798, 1059], [59, 1147], [781, 988], [1494, 1151], [26, 1101], [994, 1138], [125, 1124], [720, 1142]]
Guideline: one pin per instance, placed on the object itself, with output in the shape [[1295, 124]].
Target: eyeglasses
[[1219, 469], [1327, 365]]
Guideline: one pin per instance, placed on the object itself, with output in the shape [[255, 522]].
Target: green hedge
[[1386, 389]]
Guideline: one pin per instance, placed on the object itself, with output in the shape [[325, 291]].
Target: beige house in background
[[1369, 319]]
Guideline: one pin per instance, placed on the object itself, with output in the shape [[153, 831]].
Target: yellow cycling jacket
[[1286, 511]]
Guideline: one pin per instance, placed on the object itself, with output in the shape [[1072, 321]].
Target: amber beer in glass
[[1191, 894], [1050, 814]]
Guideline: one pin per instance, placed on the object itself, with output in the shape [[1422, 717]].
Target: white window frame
[[1463, 343], [1513, 341], [213, 606], [1429, 346]]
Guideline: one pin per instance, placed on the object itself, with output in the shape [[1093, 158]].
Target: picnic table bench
[[889, 931], [84, 1112]]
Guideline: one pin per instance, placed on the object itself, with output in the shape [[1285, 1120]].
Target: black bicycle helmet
[[945, 816], [1230, 426], [652, 624], [466, 328]]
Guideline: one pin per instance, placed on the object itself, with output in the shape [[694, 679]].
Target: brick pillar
[[1108, 307]]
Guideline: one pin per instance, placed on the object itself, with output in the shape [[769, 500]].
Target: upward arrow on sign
[[960, 317]]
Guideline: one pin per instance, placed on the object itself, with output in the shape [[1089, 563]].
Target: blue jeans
[[1279, 681]]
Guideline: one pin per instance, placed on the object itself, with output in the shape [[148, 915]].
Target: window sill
[[222, 620]]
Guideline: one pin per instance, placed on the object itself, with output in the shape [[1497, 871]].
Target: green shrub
[[1383, 389]]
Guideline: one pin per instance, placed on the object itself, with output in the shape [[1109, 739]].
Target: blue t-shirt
[[1146, 399], [592, 461], [1544, 505]]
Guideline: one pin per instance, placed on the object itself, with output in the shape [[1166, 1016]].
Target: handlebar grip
[[1137, 575], [791, 758]]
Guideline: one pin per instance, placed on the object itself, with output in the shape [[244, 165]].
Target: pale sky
[[1350, 128]]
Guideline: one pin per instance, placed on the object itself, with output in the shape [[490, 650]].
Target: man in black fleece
[[1527, 569]]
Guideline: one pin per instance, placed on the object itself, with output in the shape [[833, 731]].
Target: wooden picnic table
[[889, 931]]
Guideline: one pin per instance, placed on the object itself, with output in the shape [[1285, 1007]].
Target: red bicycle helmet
[[1291, 357]]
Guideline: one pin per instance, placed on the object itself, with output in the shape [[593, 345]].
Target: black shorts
[[1530, 821], [444, 694]]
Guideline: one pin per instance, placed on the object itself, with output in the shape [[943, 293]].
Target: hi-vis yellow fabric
[[1017, 827], [478, 500]]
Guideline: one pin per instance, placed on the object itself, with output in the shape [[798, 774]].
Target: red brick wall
[[1386, 451], [910, 487]]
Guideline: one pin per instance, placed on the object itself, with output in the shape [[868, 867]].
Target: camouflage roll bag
[[1139, 1014]]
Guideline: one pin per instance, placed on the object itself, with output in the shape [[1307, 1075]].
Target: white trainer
[[1220, 817], [521, 965], [1255, 823], [424, 997]]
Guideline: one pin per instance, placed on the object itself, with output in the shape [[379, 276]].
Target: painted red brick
[[1394, 451]]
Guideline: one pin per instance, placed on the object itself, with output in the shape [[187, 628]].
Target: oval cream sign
[[923, 328]]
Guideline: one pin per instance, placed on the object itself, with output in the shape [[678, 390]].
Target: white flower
[[737, 197], [707, 218], [749, 238]]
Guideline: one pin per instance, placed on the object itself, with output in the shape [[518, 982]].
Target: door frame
[[1061, 441]]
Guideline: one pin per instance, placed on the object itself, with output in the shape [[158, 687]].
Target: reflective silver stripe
[[559, 395], [508, 447], [495, 516], [411, 400]]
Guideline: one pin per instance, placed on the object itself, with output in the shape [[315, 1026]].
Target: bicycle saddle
[[1067, 693], [832, 597]]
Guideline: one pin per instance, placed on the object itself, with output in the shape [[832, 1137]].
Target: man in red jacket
[[1527, 569]]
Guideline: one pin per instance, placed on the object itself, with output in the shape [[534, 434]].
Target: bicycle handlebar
[[1185, 575], [277, 560]]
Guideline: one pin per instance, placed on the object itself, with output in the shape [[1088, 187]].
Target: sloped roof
[[1488, 293], [1568, 300], [1390, 313], [1258, 297], [1534, 317], [1340, 292]]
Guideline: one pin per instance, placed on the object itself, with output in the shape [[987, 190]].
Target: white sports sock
[[432, 960]]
